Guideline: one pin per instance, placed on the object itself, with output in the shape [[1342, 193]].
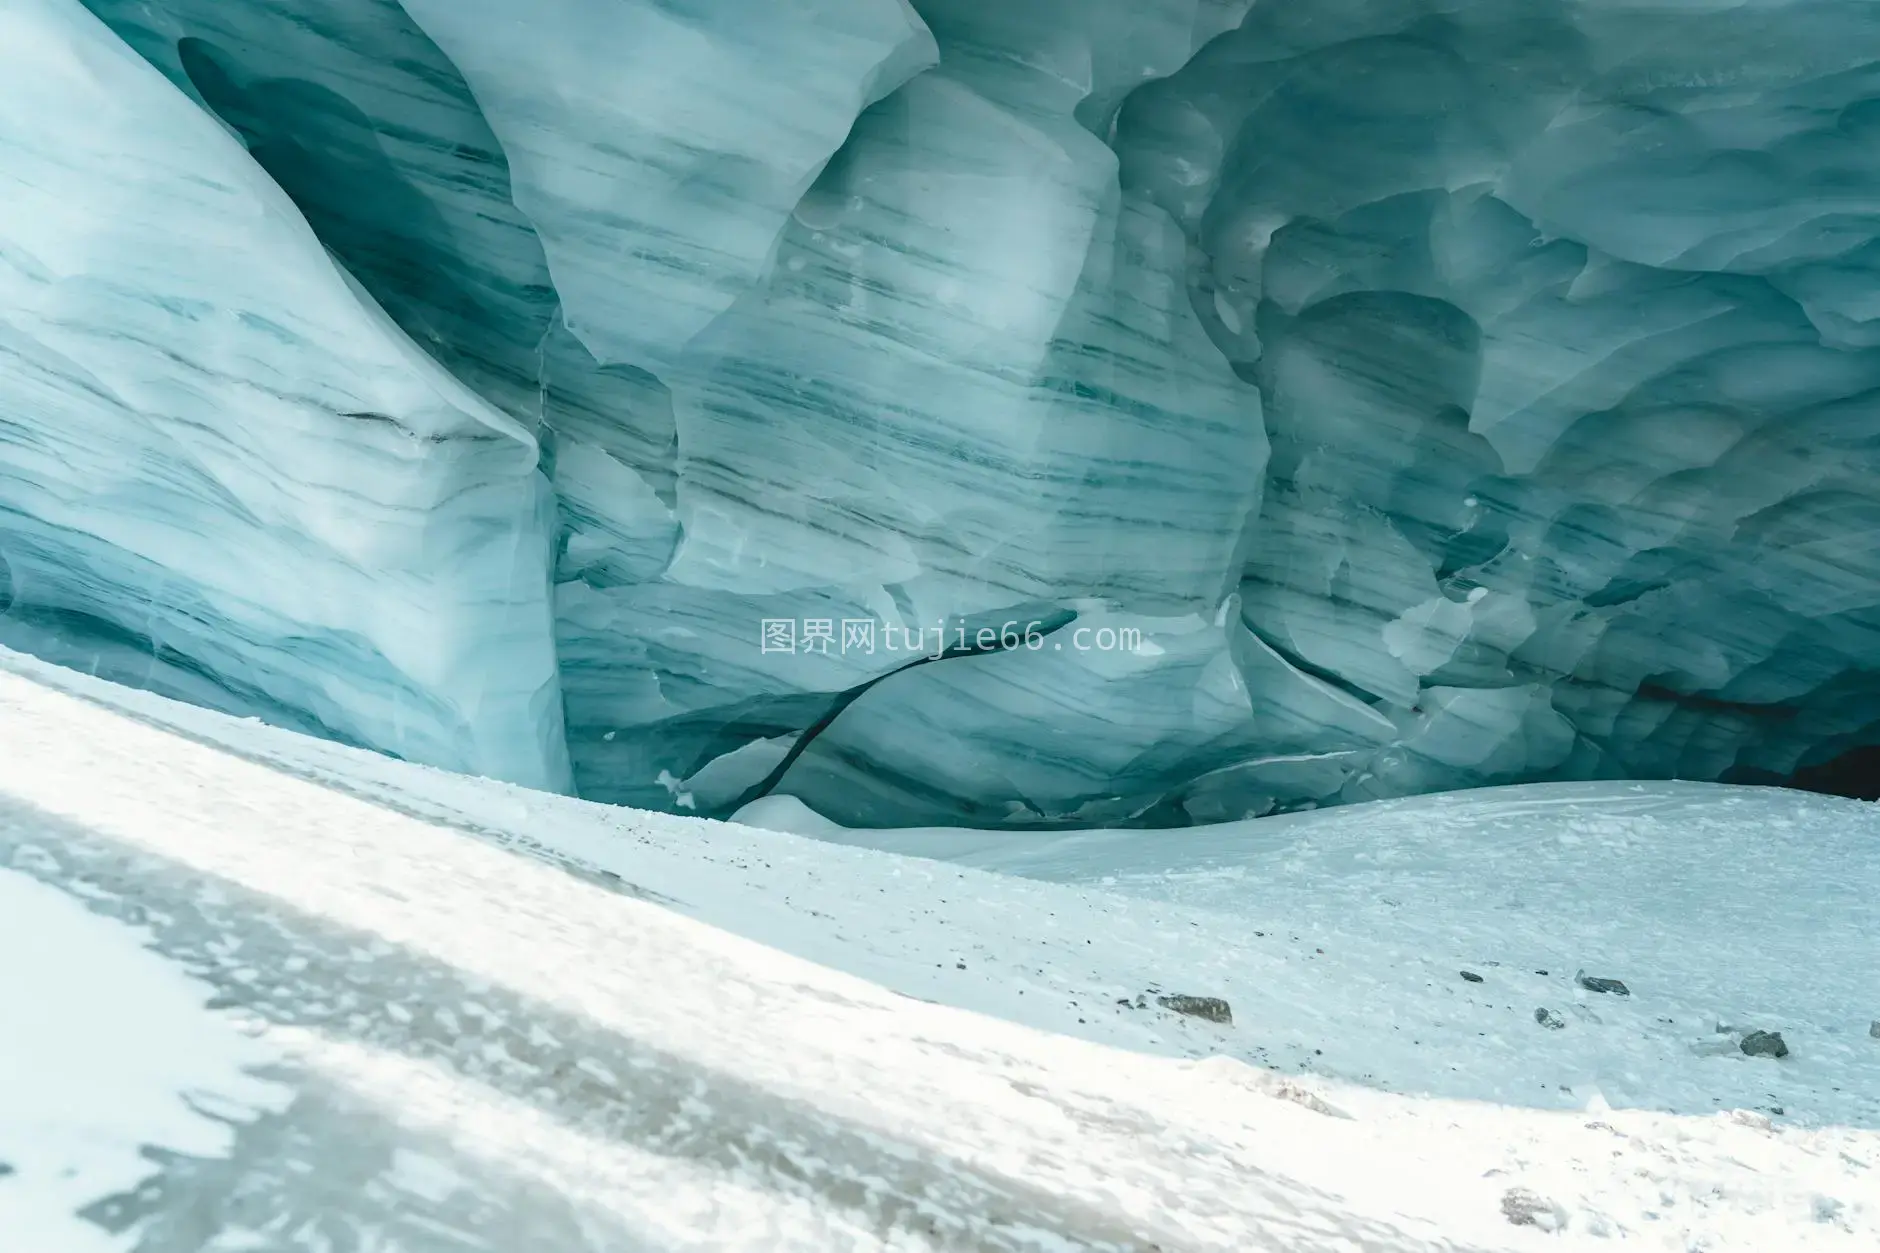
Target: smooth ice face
[[659, 147], [1419, 393], [223, 471]]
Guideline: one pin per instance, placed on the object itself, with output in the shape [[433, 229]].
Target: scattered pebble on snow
[[1212, 1008], [1525, 1209], [1764, 1044], [1592, 983]]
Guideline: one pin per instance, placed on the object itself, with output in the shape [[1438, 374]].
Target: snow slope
[[87, 1080], [713, 1037], [1751, 908]]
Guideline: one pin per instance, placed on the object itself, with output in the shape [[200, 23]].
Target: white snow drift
[[575, 1036]]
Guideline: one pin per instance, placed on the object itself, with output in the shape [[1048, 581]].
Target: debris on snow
[[1591, 983], [1526, 1209], [1764, 1044], [1212, 1008]]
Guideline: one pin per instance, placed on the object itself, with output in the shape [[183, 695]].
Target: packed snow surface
[[381, 1006]]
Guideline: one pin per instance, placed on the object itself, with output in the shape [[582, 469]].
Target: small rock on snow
[[1471, 976], [1525, 1209], [1592, 984], [1212, 1008], [1764, 1044], [1874, 1030]]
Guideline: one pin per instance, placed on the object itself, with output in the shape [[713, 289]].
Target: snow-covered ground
[[258, 992], [1344, 933]]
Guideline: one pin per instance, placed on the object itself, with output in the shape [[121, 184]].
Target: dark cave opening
[[1855, 773]]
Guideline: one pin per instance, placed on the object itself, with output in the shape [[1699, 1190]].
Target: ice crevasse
[[1366, 396]]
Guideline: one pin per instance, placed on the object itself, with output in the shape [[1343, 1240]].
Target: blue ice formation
[[1373, 396], [224, 472]]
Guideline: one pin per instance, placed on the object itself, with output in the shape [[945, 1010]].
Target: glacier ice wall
[[223, 471], [1324, 399], [658, 149], [1560, 316]]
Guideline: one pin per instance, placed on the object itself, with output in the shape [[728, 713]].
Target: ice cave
[[939, 626], [1264, 405]]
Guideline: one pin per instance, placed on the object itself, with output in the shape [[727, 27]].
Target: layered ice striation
[[224, 472], [1561, 315], [1309, 400]]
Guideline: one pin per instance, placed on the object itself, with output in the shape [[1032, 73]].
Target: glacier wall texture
[[1316, 399], [223, 471]]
